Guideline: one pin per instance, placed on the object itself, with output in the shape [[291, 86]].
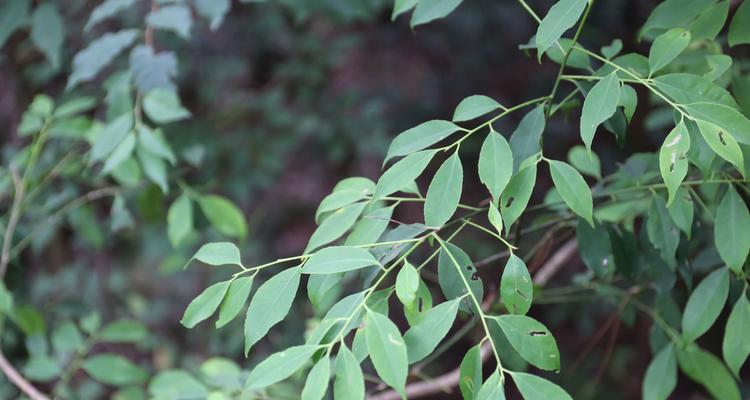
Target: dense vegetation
[[158, 182]]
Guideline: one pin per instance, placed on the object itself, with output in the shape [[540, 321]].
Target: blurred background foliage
[[288, 97]]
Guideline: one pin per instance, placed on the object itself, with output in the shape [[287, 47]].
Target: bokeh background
[[288, 98]]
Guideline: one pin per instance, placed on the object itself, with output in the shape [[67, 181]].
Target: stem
[[21, 383], [477, 304], [589, 5]]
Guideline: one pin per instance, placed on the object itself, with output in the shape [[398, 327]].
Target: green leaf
[[673, 162], [613, 49], [176, 384], [223, 215], [573, 189], [688, 88], [532, 340], [42, 368], [219, 253], [387, 350], [123, 331], [470, 373], [666, 48], [66, 338], [205, 304], [705, 304], [732, 230], [473, 107], [176, 18], [180, 220], [105, 10], [335, 225], [681, 210], [407, 283], [213, 10], [48, 32], [270, 304], [723, 144], [718, 64], [154, 168], [710, 22], [533, 387], [420, 137], [493, 214], [234, 300], [110, 136], [661, 375], [516, 195], [444, 192], [516, 289], [525, 141], [495, 164], [337, 200], [628, 101], [561, 17], [492, 389], [349, 383], [98, 54], [279, 366], [114, 370], [13, 15], [370, 227], [739, 28], [430, 10], [422, 339], [599, 106], [403, 173], [457, 275], [422, 304], [726, 118], [588, 164], [706, 369], [163, 106], [661, 230], [152, 70], [402, 6], [336, 259], [122, 152], [736, 344], [317, 380]]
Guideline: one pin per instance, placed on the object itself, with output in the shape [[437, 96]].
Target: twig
[[15, 213], [20, 382], [553, 265], [445, 382]]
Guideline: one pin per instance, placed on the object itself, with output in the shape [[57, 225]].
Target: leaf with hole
[[673, 162], [516, 195], [516, 289], [532, 340]]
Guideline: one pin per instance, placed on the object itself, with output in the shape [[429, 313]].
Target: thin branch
[[21, 383], [15, 214]]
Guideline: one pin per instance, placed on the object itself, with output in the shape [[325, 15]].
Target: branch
[[449, 380], [20, 382], [15, 214]]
